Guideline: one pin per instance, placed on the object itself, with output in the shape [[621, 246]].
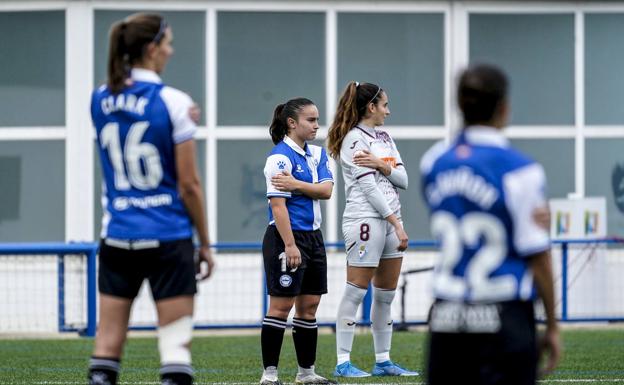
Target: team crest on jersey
[[298, 168], [462, 151], [285, 280], [362, 250]]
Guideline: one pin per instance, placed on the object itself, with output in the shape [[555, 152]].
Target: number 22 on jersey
[[134, 153], [457, 235]]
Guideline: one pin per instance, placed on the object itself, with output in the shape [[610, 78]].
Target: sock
[[305, 335], [103, 371], [381, 318], [271, 339], [176, 374], [345, 321]]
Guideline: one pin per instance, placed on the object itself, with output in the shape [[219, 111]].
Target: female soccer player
[[297, 176], [152, 199], [374, 237], [495, 252]]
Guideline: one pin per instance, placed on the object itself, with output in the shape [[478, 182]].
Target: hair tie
[[161, 31], [357, 84]]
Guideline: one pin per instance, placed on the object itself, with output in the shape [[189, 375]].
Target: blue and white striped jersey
[[482, 195], [309, 165], [137, 131]]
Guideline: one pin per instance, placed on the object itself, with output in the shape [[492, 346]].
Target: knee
[[174, 340], [385, 296]]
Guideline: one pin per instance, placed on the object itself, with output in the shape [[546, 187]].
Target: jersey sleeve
[[275, 164], [398, 175], [323, 170], [524, 193], [178, 104], [350, 146]]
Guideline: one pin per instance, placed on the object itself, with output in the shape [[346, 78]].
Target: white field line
[[558, 381]]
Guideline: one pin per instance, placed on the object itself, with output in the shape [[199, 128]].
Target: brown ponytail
[[351, 109], [127, 45]]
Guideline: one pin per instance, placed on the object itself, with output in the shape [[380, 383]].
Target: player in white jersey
[[373, 231], [487, 203], [152, 200]]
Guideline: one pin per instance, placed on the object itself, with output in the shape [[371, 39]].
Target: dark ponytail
[[351, 109], [128, 41], [279, 125]]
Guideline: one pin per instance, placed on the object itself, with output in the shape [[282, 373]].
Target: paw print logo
[[281, 164]]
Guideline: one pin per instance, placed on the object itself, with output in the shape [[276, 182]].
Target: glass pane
[[407, 61], [32, 80], [604, 73], [537, 52], [559, 164], [97, 180], [604, 176], [265, 58], [242, 211], [32, 197], [185, 70], [243, 208], [413, 209]]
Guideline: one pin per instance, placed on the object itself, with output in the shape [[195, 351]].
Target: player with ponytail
[[297, 177], [372, 228]]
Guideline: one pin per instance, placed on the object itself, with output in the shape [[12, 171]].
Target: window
[[33, 68]]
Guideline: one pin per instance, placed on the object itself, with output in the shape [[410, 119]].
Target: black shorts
[[170, 269], [309, 278], [506, 357]]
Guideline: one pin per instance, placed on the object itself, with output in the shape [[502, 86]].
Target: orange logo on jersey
[[390, 160]]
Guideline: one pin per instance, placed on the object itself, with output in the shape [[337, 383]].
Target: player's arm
[[183, 114], [543, 278], [282, 222], [190, 189], [284, 181]]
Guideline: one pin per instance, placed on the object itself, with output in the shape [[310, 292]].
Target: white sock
[[381, 318], [345, 321]]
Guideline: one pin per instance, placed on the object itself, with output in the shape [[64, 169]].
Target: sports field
[[591, 356]]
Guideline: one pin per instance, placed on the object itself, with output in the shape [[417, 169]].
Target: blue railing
[[90, 251]]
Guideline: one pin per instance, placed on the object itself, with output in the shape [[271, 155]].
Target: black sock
[[305, 334], [271, 340], [176, 374], [103, 371]]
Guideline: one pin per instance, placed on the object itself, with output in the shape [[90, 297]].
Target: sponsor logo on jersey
[[281, 164], [285, 280], [146, 202], [353, 145], [390, 160]]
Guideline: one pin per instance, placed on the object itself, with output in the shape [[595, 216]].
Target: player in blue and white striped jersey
[[152, 199], [297, 176], [485, 198]]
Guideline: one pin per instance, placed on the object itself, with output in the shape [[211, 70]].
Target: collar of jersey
[[484, 135], [143, 75], [301, 151], [370, 131]]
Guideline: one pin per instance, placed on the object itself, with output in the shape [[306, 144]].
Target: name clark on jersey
[[124, 102], [462, 181]]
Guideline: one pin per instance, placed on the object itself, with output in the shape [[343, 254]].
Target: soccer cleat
[[269, 377], [346, 369], [389, 368], [312, 378]]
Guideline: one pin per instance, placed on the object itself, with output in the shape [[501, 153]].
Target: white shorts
[[367, 240]]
